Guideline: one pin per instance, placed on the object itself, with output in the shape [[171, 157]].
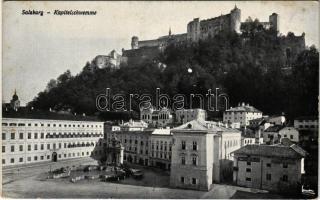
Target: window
[[268, 177], [248, 170], [183, 145], [248, 179], [42, 147], [183, 160], [3, 136], [194, 181], [48, 146], [12, 148], [194, 160], [29, 159], [3, 161], [248, 163], [3, 149], [291, 137], [35, 135], [41, 157], [42, 135], [29, 147], [285, 135], [36, 158], [20, 136], [29, 135], [285, 165], [21, 148], [12, 136], [285, 178], [268, 164], [12, 160], [182, 179], [194, 146], [20, 159], [35, 147]]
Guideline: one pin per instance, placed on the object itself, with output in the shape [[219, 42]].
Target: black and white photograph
[[160, 100]]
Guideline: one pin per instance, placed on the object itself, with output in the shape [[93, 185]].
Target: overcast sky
[[37, 49]]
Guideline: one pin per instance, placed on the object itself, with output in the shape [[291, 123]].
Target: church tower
[[15, 102]]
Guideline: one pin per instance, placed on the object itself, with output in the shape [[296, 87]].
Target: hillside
[[249, 68]]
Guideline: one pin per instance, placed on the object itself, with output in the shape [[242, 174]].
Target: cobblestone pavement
[[30, 182]]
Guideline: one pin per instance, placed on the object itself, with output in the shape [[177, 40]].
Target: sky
[[39, 48]]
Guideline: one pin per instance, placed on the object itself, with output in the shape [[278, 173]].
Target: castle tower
[[235, 20], [134, 42], [274, 21], [193, 30]]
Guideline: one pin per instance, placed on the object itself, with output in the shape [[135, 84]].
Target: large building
[[201, 154], [156, 118], [276, 168], [142, 145], [32, 137], [185, 115], [243, 113]]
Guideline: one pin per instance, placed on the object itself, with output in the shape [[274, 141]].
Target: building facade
[[37, 140], [156, 118], [275, 168], [185, 115], [199, 154], [242, 113]]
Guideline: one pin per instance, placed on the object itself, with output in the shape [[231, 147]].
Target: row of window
[[240, 113], [284, 165], [194, 160], [47, 157], [161, 155], [48, 135], [54, 146], [194, 145], [183, 180], [268, 178], [53, 125]]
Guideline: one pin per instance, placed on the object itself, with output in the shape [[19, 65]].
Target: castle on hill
[[148, 50]]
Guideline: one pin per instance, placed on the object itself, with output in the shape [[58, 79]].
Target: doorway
[[54, 157]]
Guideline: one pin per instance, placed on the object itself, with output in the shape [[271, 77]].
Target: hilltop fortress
[[149, 50]]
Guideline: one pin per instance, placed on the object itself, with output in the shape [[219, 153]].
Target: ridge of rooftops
[[243, 108], [278, 150], [307, 118], [199, 125], [24, 113]]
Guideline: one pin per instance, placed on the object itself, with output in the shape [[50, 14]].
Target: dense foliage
[[248, 67]]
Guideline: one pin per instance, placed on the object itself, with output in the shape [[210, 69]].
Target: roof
[[275, 128], [25, 113], [198, 125], [282, 151], [243, 108], [307, 118]]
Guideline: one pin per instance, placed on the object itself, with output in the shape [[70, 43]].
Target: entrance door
[[54, 157]]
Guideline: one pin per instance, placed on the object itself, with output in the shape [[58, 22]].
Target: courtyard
[[32, 182]]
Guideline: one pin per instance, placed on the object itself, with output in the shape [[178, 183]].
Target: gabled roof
[[275, 128], [192, 125], [282, 151], [198, 125]]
